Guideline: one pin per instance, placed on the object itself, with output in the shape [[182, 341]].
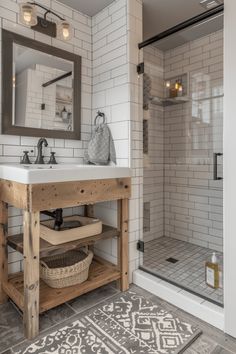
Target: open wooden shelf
[[47, 249], [101, 273]]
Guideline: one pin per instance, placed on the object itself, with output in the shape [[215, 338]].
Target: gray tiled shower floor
[[188, 272]]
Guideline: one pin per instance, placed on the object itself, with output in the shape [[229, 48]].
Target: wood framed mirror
[[41, 89]]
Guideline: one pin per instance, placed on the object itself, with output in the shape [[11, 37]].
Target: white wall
[[11, 147], [117, 91], [230, 168], [71, 151], [108, 44], [110, 74]]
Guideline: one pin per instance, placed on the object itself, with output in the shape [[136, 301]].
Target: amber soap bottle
[[213, 272]]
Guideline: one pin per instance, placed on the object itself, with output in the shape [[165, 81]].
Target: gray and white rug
[[127, 324]]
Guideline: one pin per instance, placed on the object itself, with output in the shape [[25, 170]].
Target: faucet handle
[[52, 160], [25, 159]]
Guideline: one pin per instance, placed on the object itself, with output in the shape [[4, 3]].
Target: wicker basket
[[67, 269]]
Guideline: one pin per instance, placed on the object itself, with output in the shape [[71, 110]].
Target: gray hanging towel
[[101, 148]]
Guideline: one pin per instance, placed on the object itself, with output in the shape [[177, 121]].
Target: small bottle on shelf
[[174, 89], [176, 85], [180, 89]]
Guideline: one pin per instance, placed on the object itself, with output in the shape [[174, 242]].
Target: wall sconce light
[[28, 14], [28, 17], [64, 30]]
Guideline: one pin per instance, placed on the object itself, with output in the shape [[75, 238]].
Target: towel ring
[[100, 115]]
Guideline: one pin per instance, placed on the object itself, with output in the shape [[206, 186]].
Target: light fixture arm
[[46, 9]]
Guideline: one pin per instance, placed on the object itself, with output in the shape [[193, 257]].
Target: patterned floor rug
[[129, 323]]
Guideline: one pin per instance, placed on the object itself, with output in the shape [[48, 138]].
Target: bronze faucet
[[41, 142]]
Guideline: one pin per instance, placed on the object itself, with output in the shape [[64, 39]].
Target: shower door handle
[[215, 166]]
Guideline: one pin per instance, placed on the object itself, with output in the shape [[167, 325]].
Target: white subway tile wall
[[108, 46], [117, 91], [67, 151], [32, 115], [191, 133], [11, 23]]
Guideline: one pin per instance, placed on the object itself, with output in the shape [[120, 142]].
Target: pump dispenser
[[213, 272]]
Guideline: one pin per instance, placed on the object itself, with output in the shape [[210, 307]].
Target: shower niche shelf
[[175, 91], [164, 102]]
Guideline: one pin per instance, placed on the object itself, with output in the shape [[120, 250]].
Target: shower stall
[[183, 153]]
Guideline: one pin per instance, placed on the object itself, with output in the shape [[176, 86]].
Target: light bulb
[[65, 33], [167, 84], [27, 16]]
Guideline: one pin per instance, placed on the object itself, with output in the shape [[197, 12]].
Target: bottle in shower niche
[[64, 113], [213, 272], [180, 89]]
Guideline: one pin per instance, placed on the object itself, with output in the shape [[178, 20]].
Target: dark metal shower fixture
[[181, 26]]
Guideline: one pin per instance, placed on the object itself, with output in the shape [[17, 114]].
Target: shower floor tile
[[188, 272]]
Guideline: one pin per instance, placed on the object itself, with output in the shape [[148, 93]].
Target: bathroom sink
[[32, 174]]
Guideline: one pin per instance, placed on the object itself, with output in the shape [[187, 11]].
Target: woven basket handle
[[44, 264]]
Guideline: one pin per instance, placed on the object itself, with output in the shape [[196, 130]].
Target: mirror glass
[[42, 90]]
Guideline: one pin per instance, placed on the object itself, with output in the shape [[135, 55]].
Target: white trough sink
[[32, 174]]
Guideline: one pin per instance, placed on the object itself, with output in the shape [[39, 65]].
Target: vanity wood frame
[[30, 294]]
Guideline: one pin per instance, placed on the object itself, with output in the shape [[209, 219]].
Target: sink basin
[[32, 174]]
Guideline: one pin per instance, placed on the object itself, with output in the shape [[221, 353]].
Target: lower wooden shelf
[[47, 249], [101, 273]]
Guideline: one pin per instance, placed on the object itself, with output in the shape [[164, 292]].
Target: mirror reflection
[[42, 90]]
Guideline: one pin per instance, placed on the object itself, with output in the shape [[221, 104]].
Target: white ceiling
[[88, 7]]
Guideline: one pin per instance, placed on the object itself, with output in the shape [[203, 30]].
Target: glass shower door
[[188, 147]]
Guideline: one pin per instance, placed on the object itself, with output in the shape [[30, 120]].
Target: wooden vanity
[[30, 294]]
